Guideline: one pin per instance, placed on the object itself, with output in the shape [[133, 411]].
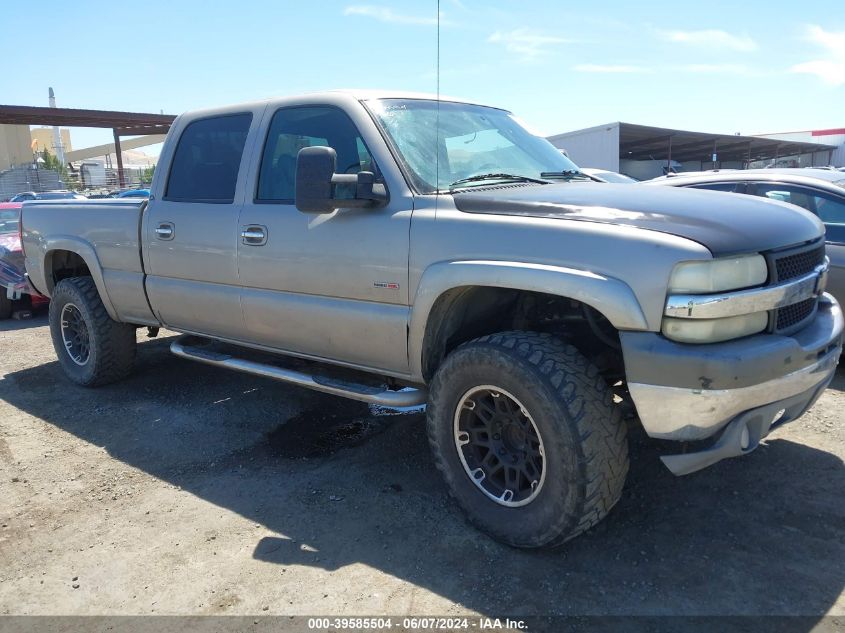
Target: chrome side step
[[407, 397]]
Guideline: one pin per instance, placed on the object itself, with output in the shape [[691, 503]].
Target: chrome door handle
[[254, 235], [165, 231]]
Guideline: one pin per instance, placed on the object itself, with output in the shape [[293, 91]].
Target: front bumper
[[743, 434], [690, 392]]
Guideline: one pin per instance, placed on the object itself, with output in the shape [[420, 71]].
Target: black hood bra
[[725, 223]]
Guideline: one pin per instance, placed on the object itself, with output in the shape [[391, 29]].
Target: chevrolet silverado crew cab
[[403, 249]]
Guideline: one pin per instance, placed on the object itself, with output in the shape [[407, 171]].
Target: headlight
[[714, 330], [718, 275]]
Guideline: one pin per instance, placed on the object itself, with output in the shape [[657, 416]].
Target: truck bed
[[106, 233]]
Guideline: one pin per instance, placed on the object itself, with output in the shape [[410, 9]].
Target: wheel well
[[63, 264], [465, 313]]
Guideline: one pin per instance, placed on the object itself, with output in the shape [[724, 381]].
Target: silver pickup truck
[[399, 249]]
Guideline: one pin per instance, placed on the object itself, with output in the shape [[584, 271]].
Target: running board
[[408, 397]]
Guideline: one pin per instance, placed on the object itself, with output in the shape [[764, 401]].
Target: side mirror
[[316, 184]]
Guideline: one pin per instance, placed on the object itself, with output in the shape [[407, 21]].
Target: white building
[[835, 136], [644, 152]]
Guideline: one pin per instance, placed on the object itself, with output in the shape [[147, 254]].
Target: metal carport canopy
[[121, 123], [124, 123], [643, 142]]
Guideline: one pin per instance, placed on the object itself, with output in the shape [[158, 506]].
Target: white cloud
[[717, 69], [525, 42], [712, 38], [610, 68], [831, 69], [386, 14]]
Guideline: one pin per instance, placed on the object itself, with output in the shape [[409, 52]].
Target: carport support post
[[120, 178]]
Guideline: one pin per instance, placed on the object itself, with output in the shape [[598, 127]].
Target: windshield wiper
[[512, 177], [566, 174]]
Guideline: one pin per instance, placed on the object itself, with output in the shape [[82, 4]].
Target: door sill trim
[[188, 346]]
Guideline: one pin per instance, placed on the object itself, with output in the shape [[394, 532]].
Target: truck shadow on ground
[[341, 484]]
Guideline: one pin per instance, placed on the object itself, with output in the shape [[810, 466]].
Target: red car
[[15, 291]]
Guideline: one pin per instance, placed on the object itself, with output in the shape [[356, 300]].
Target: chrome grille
[[798, 264]]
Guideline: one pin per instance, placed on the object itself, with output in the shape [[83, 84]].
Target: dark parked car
[[23, 196], [47, 195], [819, 191], [605, 175], [134, 193]]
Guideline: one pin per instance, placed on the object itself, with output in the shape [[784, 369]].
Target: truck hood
[[725, 223]]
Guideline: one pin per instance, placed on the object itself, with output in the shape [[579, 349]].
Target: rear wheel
[[525, 433], [93, 349]]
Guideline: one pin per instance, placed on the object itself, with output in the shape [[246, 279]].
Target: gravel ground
[[192, 490]]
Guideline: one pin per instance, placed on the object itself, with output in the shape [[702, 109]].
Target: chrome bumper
[[690, 392], [673, 413], [744, 433]]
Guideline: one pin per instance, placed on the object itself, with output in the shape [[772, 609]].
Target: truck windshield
[[472, 141]]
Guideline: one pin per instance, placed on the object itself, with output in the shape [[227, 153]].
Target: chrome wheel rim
[[499, 446], [75, 334]]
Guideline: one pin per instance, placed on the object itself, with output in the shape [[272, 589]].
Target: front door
[[330, 286], [190, 230]]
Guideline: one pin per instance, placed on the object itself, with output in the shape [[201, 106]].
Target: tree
[[146, 176], [52, 163]]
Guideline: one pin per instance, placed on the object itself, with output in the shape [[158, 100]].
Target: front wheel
[[92, 348], [524, 431]]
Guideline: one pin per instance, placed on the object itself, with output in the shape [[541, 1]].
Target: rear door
[[190, 229]]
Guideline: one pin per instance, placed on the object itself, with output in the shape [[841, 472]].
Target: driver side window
[[295, 128], [830, 209], [785, 193]]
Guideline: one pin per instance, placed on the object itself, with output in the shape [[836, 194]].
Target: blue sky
[[748, 67]]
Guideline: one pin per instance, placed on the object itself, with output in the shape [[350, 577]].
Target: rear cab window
[[207, 160]]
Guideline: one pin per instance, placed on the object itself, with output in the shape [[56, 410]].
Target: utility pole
[[57, 137]]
